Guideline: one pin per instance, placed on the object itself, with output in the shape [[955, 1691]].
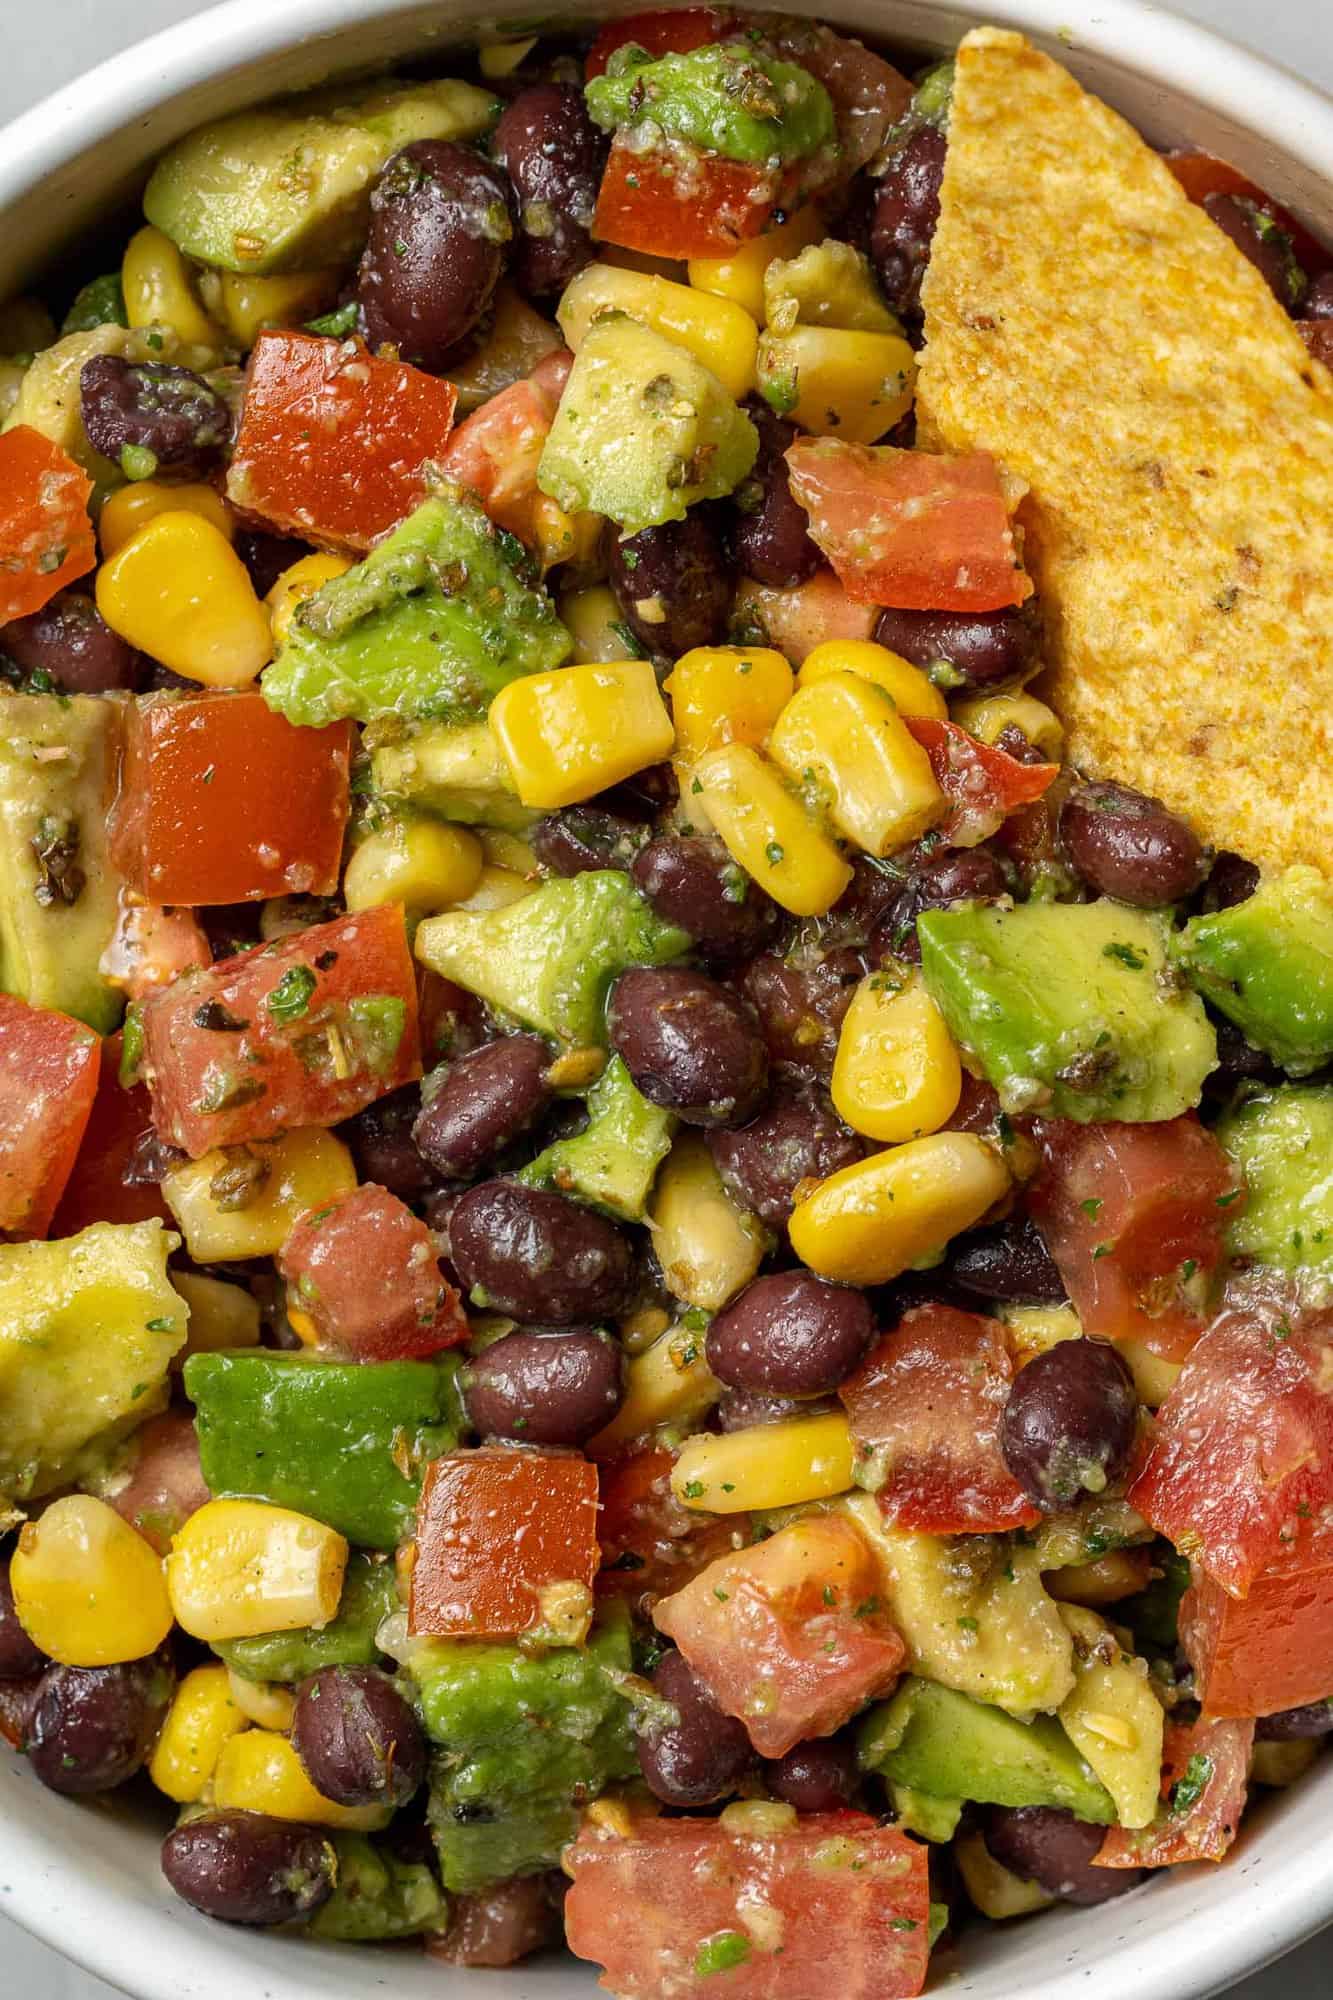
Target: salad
[[667, 1226]]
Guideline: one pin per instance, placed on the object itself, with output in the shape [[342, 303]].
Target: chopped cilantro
[[720, 1953], [290, 998]]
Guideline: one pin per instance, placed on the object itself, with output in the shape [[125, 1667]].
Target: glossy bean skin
[[702, 1755], [935, 882], [982, 646], [91, 1728], [245, 1868], [501, 1925], [903, 220], [1045, 1845], [770, 536], [539, 1257], [739, 1409], [152, 406], [586, 837], [69, 640], [819, 1776], [689, 1043], [267, 557], [383, 1147], [1007, 1261], [1127, 845], [672, 585], [1231, 880], [790, 1334], [555, 1388], [360, 1742], [19, 1658], [1268, 248], [1070, 1422], [798, 1136], [800, 1006], [440, 224], [695, 884], [1297, 1725], [553, 154], [1319, 299], [486, 1100]]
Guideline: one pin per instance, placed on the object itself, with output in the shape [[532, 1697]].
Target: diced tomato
[[111, 1179], [1205, 1771], [366, 1273], [804, 615], [913, 529], [681, 203], [982, 784], [1202, 174], [925, 1410], [302, 1032], [651, 1545], [1273, 1651], [664, 34], [695, 1908], [496, 451], [336, 443], [791, 1636], [48, 1079], [46, 536], [495, 1530], [1243, 1450], [165, 1485], [152, 945]]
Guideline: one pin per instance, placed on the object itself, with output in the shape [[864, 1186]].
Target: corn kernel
[[564, 538], [222, 1316], [741, 275], [896, 1073], [572, 733], [992, 1888], [1154, 1376], [757, 1819], [508, 851], [987, 716], [843, 739], [306, 1169], [425, 864], [594, 622], [1032, 1330], [727, 694], [293, 587], [906, 686], [496, 889], [201, 1719], [855, 386], [266, 1703], [88, 1589], [301, 1323], [497, 60], [179, 592], [239, 1568], [767, 830], [1122, 1573], [765, 1465], [260, 1772], [715, 330], [158, 291], [246, 305], [870, 1221], [707, 1245], [669, 1383], [132, 507]]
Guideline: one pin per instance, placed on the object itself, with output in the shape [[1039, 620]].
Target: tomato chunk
[[366, 1273], [833, 1904], [49, 1067], [910, 528], [223, 801], [651, 1545], [803, 615], [152, 945], [983, 785], [114, 1174], [1204, 1781], [46, 536], [925, 1410], [1202, 174], [335, 443], [664, 34], [650, 202], [303, 1032], [165, 1485], [1275, 1650], [496, 451], [791, 1636], [495, 1531]]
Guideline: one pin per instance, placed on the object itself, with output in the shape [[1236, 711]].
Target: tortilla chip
[[1102, 337]]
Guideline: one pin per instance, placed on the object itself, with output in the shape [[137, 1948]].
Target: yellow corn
[[986, 716], [768, 831], [496, 60], [843, 740], [293, 587], [267, 1703], [707, 1245], [896, 1073], [993, 1889], [222, 1316], [870, 1221], [855, 386], [158, 291], [508, 851], [1122, 1573], [306, 1169], [766, 1465], [1154, 1376], [741, 276], [239, 1568], [88, 1589], [906, 686], [726, 694], [593, 620], [572, 733], [497, 888], [179, 592], [562, 537], [246, 305], [669, 1383], [260, 1772], [132, 507], [201, 1720], [1030, 1330], [425, 864], [715, 330]]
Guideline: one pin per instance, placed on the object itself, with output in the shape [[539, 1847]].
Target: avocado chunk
[[287, 187], [643, 430], [939, 1741], [1282, 1142], [433, 623], [613, 1162], [377, 1896], [88, 1325], [933, 1818], [549, 958], [369, 1596], [345, 1443], [1267, 964], [58, 889], [1113, 1718], [993, 1889], [101, 302], [826, 284], [455, 771], [732, 100], [1069, 1008]]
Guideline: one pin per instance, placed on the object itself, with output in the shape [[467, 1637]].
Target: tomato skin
[[804, 615], [983, 784], [120, 1122], [1202, 174], [366, 1273], [46, 536], [496, 451], [651, 1545], [663, 34], [165, 1485], [152, 945], [1274, 1651], [1207, 1828], [354, 1039], [641, 207], [494, 1528], [49, 1068]]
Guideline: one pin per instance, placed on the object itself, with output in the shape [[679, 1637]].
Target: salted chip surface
[[1097, 332]]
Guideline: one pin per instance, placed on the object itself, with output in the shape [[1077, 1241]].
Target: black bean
[[1319, 299], [1069, 1424], [935, 882], [1297, 1725], [360, 1743], [151, 406], [672, 585], [791, 1334], [267, 557], [702, 1755], [740, 1410], [93, 1727], [440, 221], [1238, 1061], [906, 211], [1267, 245], [582, 838], [1007, 1261], [694, 883], [484, 1101], [546, 1388], [689, 1043], [19, 1657], [819, 1776], [1127, 845], [798, 1136], [1231, 880], [980, 645], [801, 1005], [553, 154], [500, 1925], [1041, 1844], [71, 642], [539, 1257], [381, 1141], [770, 537], [245, 1868]]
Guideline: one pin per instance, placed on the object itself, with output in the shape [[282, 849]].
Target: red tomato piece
[[651, 1545], [1275, 1650], [495, 1530], [366, 1273], [152, 945], [1243, 1450], [1132, 1214], [49, 1067], [1205, 1773], [804, 615], [913, 529], [694, 1908], [335, 443], [925, 1410], [46, 537], [303, 1032], [664, 34], [165, 1485], [1202, 174], [706, 208], [496, 451], [223, 801], [982, 784], [111, 1178], [790, 1636]]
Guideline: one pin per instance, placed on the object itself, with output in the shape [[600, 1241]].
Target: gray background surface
[[61, 38]]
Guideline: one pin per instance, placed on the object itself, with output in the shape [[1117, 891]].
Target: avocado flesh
[[1113, 1717], [728, 99], [613, 1162], [1282, 1141], [369, 1596], [455, 771], [1267, 964], [377, 1896]]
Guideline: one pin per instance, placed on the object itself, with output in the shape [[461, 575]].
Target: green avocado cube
[[731, 99], [369, 1596], [377, 1896], [613, 1162], [455, 771], [1282, 1142], [1267, 964]]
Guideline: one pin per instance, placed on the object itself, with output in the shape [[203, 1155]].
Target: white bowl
[[84, 1877]]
